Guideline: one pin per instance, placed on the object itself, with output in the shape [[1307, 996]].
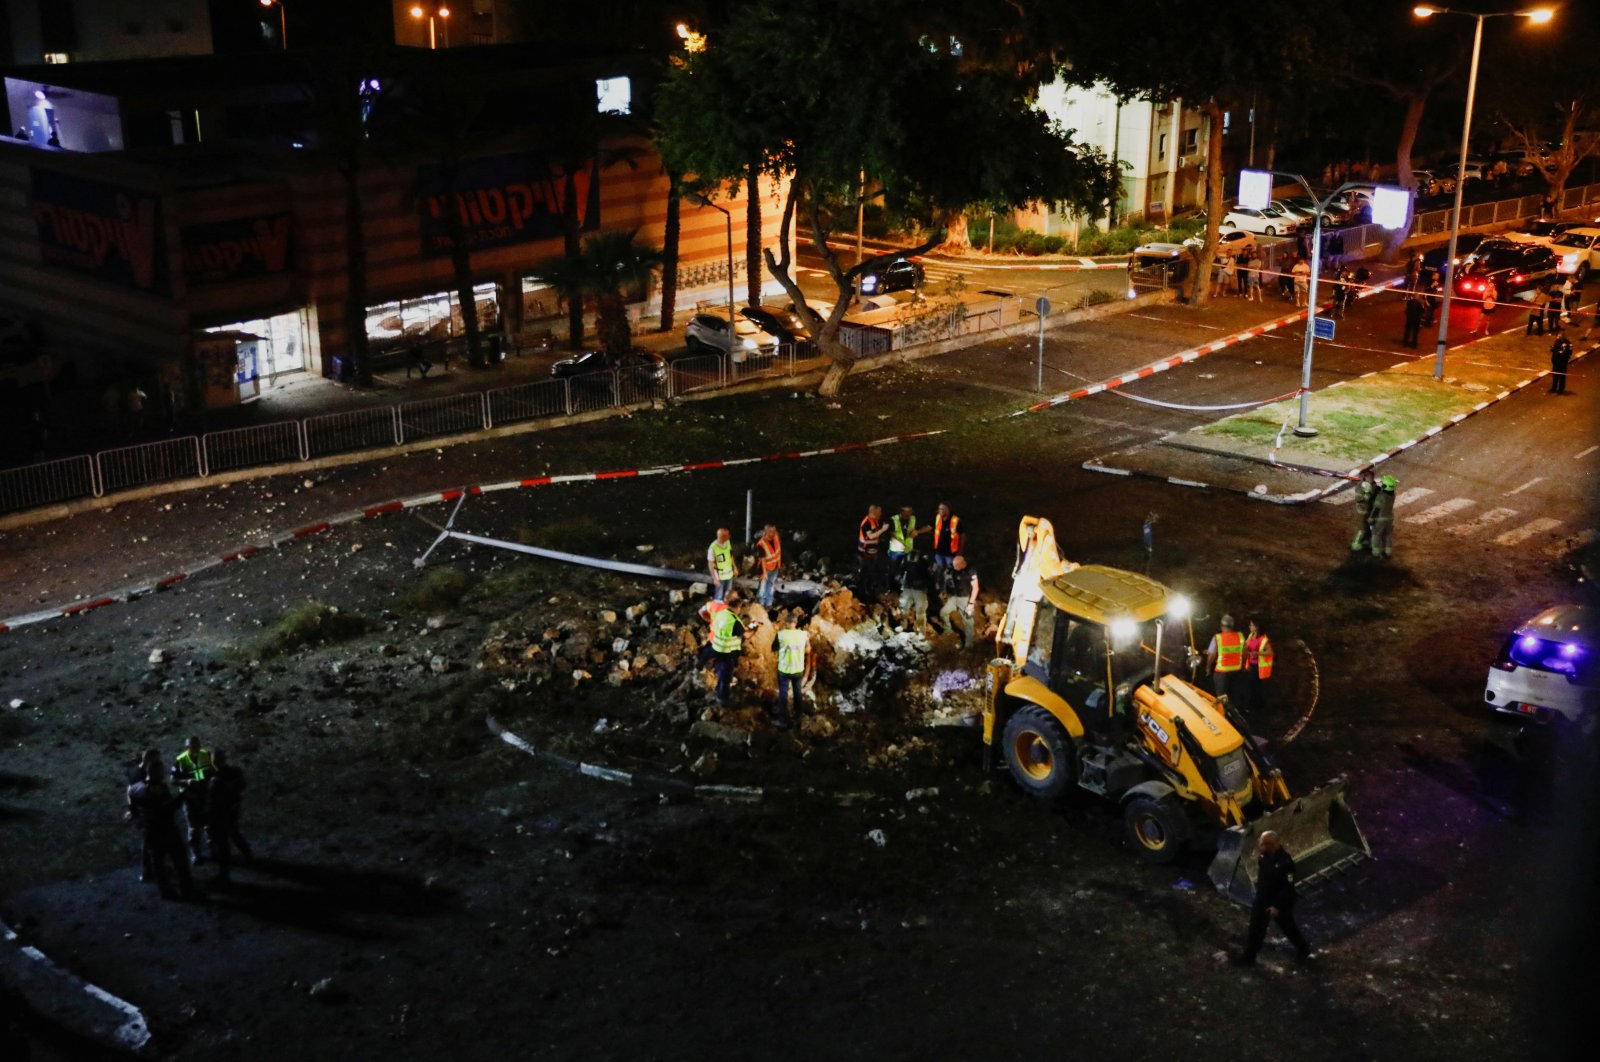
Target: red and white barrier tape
[[400, 504], [1184, 357]]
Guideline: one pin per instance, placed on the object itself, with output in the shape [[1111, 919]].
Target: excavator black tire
[[1158, 828], [1040, 754]]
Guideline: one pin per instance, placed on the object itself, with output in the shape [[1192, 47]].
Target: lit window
[[56, 58]]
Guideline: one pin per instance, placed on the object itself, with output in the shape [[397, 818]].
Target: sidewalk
[[1359, 422]]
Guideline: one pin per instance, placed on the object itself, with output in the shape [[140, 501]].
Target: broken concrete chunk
[[705, 766], [719, 732], [438, 665], [158, 657], [619, 646], [878, 837], [607, 616]]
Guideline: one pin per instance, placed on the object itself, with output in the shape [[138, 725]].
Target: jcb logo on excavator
[[1154, 727]]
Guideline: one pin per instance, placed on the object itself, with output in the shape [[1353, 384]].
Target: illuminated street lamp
[[692, 42], [1388, 209], [437, 15], [283, 29], [1537, 15]]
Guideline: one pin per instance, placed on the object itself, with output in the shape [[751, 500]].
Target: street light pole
[[1448, 266], [1535, 15], [706, 201], [283, 26]]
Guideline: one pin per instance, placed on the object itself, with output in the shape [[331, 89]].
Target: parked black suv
[[1512, 266]]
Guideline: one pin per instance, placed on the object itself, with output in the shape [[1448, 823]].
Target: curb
[[401, 504], [68, 1001]]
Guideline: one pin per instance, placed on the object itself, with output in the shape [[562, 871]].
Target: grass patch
[[578, 534], [310, 623], [439, 588]]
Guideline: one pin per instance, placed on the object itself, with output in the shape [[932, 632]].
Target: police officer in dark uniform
[[153, 807], [227, 796], [1560, 358], [1274, 902]]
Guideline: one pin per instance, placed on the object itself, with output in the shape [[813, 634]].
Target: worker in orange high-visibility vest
[[946, 537], [769, 550], [1257, 666], [1225, 660]]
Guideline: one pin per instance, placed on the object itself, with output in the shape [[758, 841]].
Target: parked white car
[[708, 331], [1258, 222]]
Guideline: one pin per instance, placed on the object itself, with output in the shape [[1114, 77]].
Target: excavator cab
[[1083, 694]]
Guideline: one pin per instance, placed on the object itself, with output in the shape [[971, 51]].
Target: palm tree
[[343, 86], [609, 266]]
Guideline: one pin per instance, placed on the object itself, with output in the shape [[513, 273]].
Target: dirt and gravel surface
[[423, 890]]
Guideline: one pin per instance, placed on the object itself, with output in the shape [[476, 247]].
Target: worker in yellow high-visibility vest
[[795, 664], [719, 563], [728, 632], [1225, 660]]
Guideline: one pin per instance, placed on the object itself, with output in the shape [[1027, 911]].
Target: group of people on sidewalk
[[176, 826]]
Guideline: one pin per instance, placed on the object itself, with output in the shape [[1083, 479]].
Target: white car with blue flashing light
[[1549, 666]]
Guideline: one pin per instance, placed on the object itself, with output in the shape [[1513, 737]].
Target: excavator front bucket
[[1317, 830]]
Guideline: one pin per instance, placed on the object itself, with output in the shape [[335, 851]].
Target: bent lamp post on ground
[[1255, 190], [1535, 15]]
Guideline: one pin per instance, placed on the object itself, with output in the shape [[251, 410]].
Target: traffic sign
[[1322, 328]]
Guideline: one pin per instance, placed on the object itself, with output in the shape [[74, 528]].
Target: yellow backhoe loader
[[1077, 699]]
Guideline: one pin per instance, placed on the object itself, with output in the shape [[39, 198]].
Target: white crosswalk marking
[[1572, 542], [1411, 494], [1438, 512], [1516, 536], [1483, 522]]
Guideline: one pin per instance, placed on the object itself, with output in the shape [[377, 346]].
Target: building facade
[[220, 260]]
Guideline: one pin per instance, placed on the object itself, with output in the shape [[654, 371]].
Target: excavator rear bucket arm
[[1318, 830]]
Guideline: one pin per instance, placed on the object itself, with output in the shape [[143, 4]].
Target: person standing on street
[[1366, 489], [946, 537], [1413, 312], [1302, 281], [1554, 307], [1491, 298], [1431, 300], [795, 665], [769, 550], [719, 563], [192, 770], [1225, 660], [961, 599], [1560, 358], [1382, 518], [154, 808], [227, 798], [869, 557], [1258, 657], [1536, 312], [1274, 902]]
